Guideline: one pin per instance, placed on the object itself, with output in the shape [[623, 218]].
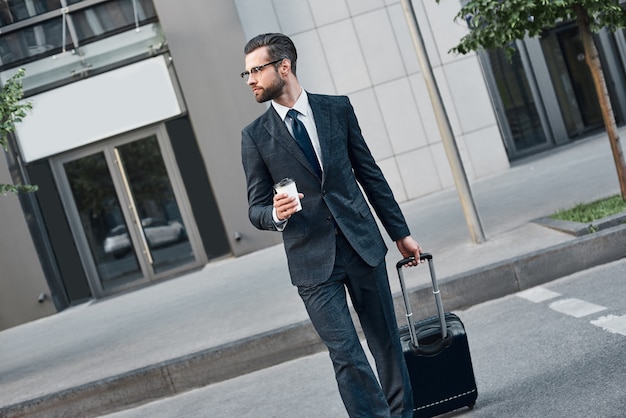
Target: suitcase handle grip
[[405, 261], [436, 293]]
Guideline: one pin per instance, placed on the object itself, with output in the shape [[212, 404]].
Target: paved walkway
[[238, 315]]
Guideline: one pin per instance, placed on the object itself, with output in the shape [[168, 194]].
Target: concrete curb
[[174, 376], [532, 269], [579, 229], [291, 342]]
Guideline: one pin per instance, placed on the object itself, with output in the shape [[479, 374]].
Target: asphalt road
[[552, 351]]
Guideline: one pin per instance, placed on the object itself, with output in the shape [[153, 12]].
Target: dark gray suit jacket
[[269, 154]]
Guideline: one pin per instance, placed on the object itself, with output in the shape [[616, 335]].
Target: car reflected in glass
[[157, 231]]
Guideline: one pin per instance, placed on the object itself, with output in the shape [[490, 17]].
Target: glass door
[[516, 103], [130, 222], [100, 218], [572, 80]]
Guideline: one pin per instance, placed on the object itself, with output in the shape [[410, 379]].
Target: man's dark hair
[[278, 46]]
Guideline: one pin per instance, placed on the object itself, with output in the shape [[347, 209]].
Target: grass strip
[[589, 212]]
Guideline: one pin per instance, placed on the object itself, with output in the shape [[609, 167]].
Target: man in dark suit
[[333, 242]]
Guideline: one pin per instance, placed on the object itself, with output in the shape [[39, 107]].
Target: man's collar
[[301, 105]]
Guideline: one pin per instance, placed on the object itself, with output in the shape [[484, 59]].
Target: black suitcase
[[437, 356]]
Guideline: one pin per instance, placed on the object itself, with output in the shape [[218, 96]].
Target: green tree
[[12, 112], [498, 23]]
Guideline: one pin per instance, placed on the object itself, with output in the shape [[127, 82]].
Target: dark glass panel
[[101, 218], [156, 206], [519, 105]]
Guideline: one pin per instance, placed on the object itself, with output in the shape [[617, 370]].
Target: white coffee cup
[[288, 186]]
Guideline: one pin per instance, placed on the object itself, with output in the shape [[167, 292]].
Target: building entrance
[[544, 94], [131, 224], [572, 81], [517, 107]]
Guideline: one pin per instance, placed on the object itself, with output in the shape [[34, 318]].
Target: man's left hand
[[409, 247]]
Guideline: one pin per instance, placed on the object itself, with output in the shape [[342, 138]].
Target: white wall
[[98, 107], [363, 49]]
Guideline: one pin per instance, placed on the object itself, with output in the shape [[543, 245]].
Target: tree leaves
[[12, 112], [17, 188], [497, 23]]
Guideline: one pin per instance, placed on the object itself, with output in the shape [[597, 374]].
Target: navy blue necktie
[[304, 141]]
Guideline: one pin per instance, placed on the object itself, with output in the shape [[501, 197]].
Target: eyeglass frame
[[257, 70]]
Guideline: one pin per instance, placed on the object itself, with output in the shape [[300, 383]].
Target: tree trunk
[[593, 61]]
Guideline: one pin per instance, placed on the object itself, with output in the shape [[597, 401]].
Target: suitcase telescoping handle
[[407, 303]]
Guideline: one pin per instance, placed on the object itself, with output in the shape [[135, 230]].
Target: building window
[[59, 41], [518, 102]]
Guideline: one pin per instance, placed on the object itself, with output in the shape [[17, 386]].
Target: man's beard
[[272, 91]]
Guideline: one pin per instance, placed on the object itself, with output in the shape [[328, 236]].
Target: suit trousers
[[371, 297]]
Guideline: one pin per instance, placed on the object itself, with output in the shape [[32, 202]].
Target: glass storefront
[[545, 95], [124, 208], [518, 102], [572, 81]]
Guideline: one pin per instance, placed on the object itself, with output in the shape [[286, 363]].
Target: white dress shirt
[[306, 116]]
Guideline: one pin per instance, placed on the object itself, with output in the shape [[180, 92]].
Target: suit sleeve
[[372, 180], [259, 184]]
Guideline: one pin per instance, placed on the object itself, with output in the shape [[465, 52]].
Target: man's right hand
[[285, 205]]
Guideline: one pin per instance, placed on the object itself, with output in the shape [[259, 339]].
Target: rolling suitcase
[[437, 356]]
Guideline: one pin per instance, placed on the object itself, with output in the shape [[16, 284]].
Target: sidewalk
[[239, 315]]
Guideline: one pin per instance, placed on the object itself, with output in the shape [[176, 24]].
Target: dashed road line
[[612, 323], [576, 307], [538, 294]]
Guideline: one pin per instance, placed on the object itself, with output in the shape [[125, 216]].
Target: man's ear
[[285, 66]]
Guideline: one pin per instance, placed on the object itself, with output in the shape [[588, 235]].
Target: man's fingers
[[285, 205]]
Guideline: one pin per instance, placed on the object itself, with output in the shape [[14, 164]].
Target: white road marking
[[576, 307], [538, 294], [612, 323]]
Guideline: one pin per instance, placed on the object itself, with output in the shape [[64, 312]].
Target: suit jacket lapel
[[321, 113], [277, 129]]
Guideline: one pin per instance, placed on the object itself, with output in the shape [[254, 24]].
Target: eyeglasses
[[256, 71]]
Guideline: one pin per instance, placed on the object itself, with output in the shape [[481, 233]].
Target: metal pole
[[447, 137]]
